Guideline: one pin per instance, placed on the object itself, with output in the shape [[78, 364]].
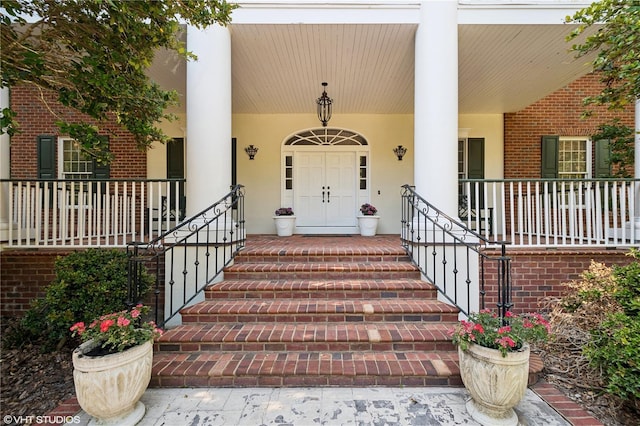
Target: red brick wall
[[25, 273], [537, 274], [35, 118], [556, 114]]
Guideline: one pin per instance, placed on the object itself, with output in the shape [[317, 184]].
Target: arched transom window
[[324, 136]]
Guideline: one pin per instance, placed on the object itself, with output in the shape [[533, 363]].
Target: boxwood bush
[[88, 284]]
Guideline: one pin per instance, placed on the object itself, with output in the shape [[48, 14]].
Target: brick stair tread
[[300, 368], [344, 267], [310, 332], [254, 253], [318, 306], [321, 285]]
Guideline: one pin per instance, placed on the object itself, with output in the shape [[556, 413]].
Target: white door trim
[[325, 140]]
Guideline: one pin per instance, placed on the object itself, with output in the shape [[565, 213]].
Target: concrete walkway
[[323, 406]]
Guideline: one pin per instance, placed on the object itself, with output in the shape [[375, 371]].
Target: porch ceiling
[[370, 67]]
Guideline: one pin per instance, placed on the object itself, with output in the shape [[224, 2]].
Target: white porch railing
[[84, 213], [553, 212]]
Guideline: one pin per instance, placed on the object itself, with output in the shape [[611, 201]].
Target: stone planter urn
[[368, 225], [496, 383], [109, 387], [285, 225]]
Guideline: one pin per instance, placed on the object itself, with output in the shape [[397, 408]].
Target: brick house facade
[[558, 113], [38, 119]]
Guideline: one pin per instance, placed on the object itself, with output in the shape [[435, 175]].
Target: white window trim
[[589, 157]]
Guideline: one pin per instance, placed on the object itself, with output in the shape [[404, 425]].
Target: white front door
[[326, 192]]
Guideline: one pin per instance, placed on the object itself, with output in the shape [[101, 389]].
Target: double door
[[325, 194]]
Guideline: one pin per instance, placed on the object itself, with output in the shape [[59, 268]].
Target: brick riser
[[291, 316]]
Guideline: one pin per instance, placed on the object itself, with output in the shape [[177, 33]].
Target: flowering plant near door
[[368, 209]]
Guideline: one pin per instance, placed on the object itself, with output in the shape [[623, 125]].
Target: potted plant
[[368, 221], [494, 361], [285, 221], [112, 367]]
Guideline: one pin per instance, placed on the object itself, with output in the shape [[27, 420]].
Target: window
[[76, 164], [571, 157]]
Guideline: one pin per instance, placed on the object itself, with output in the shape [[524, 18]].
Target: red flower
[[479, 328], [505, 341], [79, 327], [505, 329], [104, 325]]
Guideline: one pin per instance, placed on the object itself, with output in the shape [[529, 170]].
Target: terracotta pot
[[109, 387], [496, 383], [368, 225]]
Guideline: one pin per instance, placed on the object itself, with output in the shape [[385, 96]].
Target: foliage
[[87, 284], [508, 334], [94, 53], [118, 331], [615, 344], [617, 43], [368, 210], [284, 211], [621, 144]]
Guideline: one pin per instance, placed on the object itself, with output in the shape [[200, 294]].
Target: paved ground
[[323, 406]]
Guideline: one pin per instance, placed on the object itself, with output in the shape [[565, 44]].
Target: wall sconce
[[400, 151], [324, 106], [251, 151]]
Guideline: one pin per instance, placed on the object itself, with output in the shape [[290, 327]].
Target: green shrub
[[615, 344], [615, 348], [88, 284]]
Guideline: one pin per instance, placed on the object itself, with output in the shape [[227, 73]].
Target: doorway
[[325, 178]]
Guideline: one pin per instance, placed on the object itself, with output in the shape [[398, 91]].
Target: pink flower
[[123, 322], [79, 327], [104, 325], [506, 341], [135, 313], [505, 329], [527, 324], [509, 314]]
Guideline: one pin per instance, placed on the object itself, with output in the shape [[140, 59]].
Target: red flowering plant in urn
[[508, 334], [118, 331]]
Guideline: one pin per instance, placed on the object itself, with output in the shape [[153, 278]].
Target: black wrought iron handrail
[[453, 257], [187, 258]]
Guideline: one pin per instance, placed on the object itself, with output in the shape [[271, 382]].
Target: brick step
[[318, 310], [221, 369], [310, 255], [327, 289], [321, 270], [287, 337]]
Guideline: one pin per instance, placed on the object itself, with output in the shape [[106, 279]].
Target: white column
[[636, 174], [5, 173], [208, 144], [436, 105]]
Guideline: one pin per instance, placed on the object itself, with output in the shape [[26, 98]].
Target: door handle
[[323, 194], [328, 194]]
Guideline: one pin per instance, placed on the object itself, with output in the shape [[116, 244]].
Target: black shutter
[[101, 171], [549, 164], [46, 157], [603, 157], [475, 168]]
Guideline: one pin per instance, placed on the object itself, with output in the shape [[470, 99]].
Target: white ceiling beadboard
[[279, 68]]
